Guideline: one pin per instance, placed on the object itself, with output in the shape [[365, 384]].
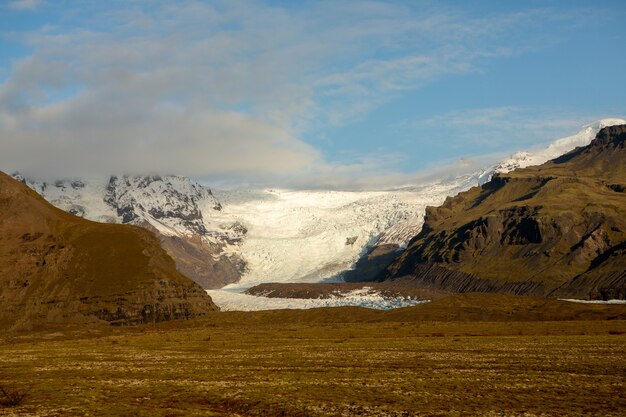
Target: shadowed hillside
[[558, 229], [57, 267]]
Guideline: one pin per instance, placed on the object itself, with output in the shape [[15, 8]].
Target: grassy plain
[[327, 362]]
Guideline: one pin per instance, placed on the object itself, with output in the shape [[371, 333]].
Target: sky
[[310, 94]]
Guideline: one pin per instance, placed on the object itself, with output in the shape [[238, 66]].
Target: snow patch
[[574, 300]]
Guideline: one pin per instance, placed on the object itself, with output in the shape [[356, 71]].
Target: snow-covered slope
[[559, 147], [172, 205], [307, 236]]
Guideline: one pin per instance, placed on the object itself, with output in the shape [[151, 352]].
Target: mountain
[[313, 235], [244, 237], [557, 229], [377, 256], [180, 211], [55, 266], [248, 236]]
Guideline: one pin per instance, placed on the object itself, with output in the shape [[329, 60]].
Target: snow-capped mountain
[[172, 205], [402, 232], [245, 237], [308, 236], [178, 209], [559, 147]]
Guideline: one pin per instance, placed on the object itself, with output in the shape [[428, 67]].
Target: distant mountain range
[[254, 236], [56, 267], [556, 229]]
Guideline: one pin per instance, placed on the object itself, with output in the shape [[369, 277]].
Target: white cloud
[[224, 88], [140, 137], [504, 126]]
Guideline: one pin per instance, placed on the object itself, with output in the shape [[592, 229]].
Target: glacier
[[280, 235], [309, 236]]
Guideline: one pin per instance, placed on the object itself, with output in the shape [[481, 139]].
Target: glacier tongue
[[307, 236]]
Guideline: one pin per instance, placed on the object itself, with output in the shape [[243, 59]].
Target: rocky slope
[[383, 251], [558, 229], [55, 266], [180, 211]]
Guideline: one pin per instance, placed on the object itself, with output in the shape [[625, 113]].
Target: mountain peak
[[602, 123], [612, 134], [556, 148]]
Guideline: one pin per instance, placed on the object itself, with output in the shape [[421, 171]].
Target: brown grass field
[[325, 362]]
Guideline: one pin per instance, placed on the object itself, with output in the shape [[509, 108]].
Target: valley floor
[[303, 363]]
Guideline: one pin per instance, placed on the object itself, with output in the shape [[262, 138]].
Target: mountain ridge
[[557, 229]]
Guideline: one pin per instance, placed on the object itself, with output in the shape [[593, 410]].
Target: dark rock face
[[520, 227], [435, 277], [553, 230], [164, 304], [77, 211], [610, 138], [372, 264], [606, 276]]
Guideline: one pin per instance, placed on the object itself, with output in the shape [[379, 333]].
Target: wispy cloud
[[496, 129], [227, 87]]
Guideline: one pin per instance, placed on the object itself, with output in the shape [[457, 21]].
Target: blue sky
[[314, 94]]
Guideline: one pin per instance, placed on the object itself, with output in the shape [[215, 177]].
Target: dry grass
[[226, 365]]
